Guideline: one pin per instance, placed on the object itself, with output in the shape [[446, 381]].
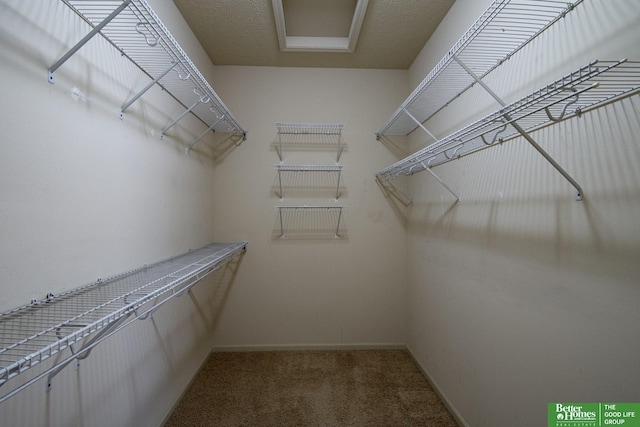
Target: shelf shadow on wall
[[310, 184], [316, 223], [309, 143]]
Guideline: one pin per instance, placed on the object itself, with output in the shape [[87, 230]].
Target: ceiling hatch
[[319, 25]]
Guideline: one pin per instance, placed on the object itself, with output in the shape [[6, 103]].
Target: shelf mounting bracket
[[428, 169], [521, 131], [85, 39], [147, 87], [411, 116]]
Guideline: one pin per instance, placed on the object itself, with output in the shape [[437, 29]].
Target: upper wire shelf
[[139, 34], [503, 29], [309, 128], [587, 88], [303, 135], [34, 333]]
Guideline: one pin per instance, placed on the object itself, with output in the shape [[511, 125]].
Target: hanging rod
[[587, 88], [133, 28], [34, 333], [501, 31]]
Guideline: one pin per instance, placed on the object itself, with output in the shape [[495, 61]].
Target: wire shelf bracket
[[135, 30], [35, 333]]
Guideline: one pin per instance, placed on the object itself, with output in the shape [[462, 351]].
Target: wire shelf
[[34, 333], [139, 34], [306, 221], [587, 88], [502, 30], [309, 128], [305, 136], [309, 168], [326, 169]]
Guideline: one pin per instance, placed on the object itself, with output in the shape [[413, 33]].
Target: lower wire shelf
[[34, 333]]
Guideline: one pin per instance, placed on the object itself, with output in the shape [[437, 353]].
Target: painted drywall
[[87, 195], [520, 296], [295, 292]]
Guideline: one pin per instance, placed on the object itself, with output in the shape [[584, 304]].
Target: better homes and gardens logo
[[594, 414], [575, 414]]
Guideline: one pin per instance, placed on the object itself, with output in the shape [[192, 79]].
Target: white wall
[[316, 292], [520, 295], [86, 195]]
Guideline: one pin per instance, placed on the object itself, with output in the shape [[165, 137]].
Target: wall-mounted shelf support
[[433, 174], [184, 113], [386, 182], [146, 88], [210, 128], [422, 126], [134, 29], [37, 332], [521, 131], [96, 29]]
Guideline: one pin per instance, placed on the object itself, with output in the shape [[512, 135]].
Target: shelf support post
[[281, 223], [428, 169], [338, 184], [85, 351], [420, 124], [280, 183], [153, 82], [525, 135], [177, 119], [397, 190], [204, 133], [338, 226], [85, 39]]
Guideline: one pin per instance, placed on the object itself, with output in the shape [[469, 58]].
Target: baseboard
[[307, 347], [184, 391], [458, 417]]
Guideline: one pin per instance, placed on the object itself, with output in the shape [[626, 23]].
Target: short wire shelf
[[309, 128], [311, 220], [34, 333], [133, 28]]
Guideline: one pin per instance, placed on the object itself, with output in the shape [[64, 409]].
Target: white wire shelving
[[501, 31], [324, 169], [133, 28], [309, 136], [311, 221], [586, 88], [86, 316]]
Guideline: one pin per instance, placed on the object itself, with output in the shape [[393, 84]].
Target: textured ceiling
[[242, 32]]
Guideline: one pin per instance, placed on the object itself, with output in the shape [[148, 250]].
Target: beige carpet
[[311, 388]]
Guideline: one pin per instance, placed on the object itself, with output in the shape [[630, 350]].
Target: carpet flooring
[[310, 388]]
